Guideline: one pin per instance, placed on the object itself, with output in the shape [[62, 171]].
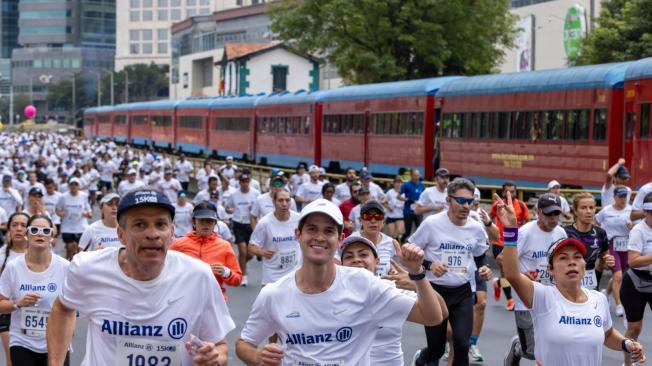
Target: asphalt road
[[498, 327]]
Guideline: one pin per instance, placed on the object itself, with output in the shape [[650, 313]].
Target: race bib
[[34, 321], [310, 362], [543, 276], [287, 259], [590, 280], [382, 269], [147, 352], [620, 243], [457, 260]]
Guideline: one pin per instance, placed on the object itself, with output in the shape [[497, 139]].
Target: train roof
[[196, 103], [299, 96], [609, 76], [640, 69], [157, 104], [100, 109], [234, 102], [392, 89]]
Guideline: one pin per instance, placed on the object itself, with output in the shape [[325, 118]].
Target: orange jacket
[[211, 250]]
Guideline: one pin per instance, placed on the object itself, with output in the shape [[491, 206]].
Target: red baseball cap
[[561, 243]]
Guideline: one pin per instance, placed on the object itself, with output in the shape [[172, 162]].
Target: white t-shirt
[[182, 219], [184, 169], [202, 178], [106, 169], [73, 207], [431, 197], [241, 203], [342, 191], [170, 188], [222, 229], [92, 177], [50, 203], [640, 240], [264, 205], [4, 218], [607, 195], [335, 327], [228, 172], [354, 216], [567, 333], [297, 180], [455, 246], [396, 206], [12, 255], [9, 199], [640, 196], [18, 280], [533, 244], [183, 300], [310, 191], [613, 221], [272, 234], [126, 186], [98, 233], [376, 192]]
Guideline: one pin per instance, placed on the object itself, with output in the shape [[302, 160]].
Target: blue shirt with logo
[[412, 192]]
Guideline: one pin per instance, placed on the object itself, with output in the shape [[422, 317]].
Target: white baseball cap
[[325, 207], [553, 183], [313, 168]]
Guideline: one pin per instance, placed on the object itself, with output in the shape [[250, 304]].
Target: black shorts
[[5, 322], [242, 232], [633, 301], [70, 238], [496, 250], [480, 285], [106, 184], [390, 220]]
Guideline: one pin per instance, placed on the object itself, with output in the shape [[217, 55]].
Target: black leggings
[[21, 356], [409, 221], [459, 301]]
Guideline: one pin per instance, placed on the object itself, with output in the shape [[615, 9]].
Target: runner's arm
[[635, 259], [231, 262], [613, 339], [270, 354], [427, 309], [61, 326], [612, 172]]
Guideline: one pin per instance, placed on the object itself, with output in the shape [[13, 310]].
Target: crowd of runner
[[343, 265]]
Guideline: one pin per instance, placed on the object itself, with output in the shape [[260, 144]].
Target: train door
[[436, 160], [629, 133]]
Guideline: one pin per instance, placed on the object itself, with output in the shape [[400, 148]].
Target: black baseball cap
[[144, 197], [363, 190], [36, 191], [372, 205], [442, 172], [548, 203]]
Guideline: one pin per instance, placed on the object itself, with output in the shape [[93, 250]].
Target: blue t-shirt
[[412, 192]]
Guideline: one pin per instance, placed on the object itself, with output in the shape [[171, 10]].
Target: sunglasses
[[355, 193], [33, 230], [462, 200], [368, 216], [553, 213]]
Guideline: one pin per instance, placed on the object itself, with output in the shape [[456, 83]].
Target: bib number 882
[[140, 360]]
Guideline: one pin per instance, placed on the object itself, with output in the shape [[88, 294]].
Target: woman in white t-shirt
[[395, 225], [28, 287], [571, 323], [636, 291], [372, 220], [103, 233], [16, 245], [615, 220]]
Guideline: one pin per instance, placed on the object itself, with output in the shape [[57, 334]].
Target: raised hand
[[505, 211]]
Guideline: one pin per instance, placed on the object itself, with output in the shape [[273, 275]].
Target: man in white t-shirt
[[106, 169], [433, 199], [329, 314], [74, 210], [310, 190], [170, 186], [534, 238], [617, 175], [637, 206], [184, 171], [273, 239], [130, 183], [228, 169], [103, 233], [142, 301], [183, 215], [10, 198], [264, 203], [343, 190]]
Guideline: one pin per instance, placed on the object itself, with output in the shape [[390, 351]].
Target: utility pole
[[11, 105], [126, 86], [74, 99], [112, 92]]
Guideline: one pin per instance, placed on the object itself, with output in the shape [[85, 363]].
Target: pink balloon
[[30, 111]]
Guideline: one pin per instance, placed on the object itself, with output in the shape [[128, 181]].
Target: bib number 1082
[[140, 360]]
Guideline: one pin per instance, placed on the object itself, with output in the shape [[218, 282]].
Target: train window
[[577, 125], [231, 123], [485, 125], [452, 124], [280, 125], [191, 122], [600, 125], [535, 126], [553, 123], [306, 125], [645, 121], [522, 125], [630, 122], [103, 119], [161, 121], [504, 125], [139, 120], [120, 120]]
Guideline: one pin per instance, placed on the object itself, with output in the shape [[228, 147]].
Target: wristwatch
[[417, 277], [624, 345], [488, 224]]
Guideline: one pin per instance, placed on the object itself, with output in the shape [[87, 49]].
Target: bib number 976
[[140, 360], [454, 261]]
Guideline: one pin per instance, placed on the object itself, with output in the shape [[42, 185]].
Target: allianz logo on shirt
[[27, 287], [278, 239], [342, 335], [109, 239], [454, 246], [540, 254], [176, 328], [571, 320]]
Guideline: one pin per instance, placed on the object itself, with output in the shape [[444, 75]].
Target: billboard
[[525, 44]]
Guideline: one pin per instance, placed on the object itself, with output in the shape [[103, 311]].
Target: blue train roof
[[122, 107], [100, 109], [196, 103], [393, 89], [581, 77], [158, 104], [300, 96], [640, 69], [233, 102]]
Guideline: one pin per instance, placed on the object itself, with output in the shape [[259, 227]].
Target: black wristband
[[426, 264], [419, 276], [489, 224], [624, 344]]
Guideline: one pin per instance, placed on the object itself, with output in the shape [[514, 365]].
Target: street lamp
[[99, 89]]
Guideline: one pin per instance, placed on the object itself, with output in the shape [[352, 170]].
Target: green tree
[[385, 40], [60, 94], [146, 82], [624, 33]]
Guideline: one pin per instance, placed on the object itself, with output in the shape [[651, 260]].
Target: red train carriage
[[120, 122], [103, 126], [139, 123], [638, 139], [231, 127], [288, 127], [532, 127], [192, 125], [162, 121], [383, 126], [90, 122]]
